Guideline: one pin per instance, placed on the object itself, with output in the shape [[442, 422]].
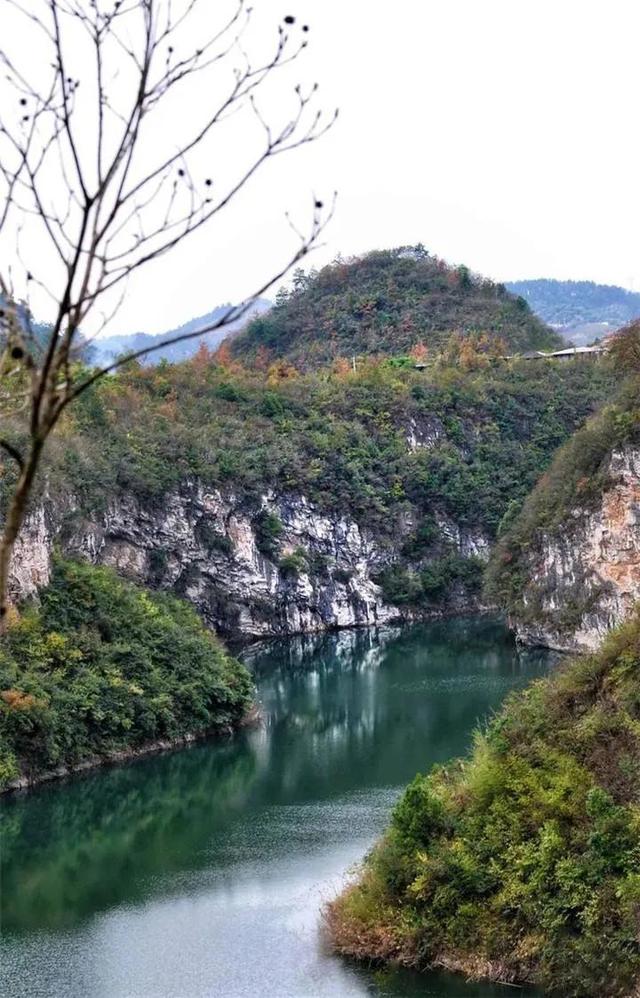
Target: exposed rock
[[31, 563], [586, 579], [426, 433], [204, 546], [468, 543]]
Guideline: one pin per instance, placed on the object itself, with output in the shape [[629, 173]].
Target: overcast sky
[[499, 133]]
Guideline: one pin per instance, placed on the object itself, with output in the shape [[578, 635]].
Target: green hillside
[[385, 303], [385, 445], [100, 666], [521, 863], [566, 493]]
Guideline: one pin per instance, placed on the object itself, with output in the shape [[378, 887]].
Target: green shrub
[[424, 537], [401, 586], [291, 565], [213, 539], [434, 583], [101, 665], [268, 530]]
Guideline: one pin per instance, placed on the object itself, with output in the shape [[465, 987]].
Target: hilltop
[[581, 310], [387, 302]]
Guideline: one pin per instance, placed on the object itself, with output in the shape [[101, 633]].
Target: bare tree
[[83, 174]]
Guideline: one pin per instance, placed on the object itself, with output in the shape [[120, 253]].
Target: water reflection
[[156, 878]]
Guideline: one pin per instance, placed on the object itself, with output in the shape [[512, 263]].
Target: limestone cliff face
[[585, 580], [31, 563], [205, 546]]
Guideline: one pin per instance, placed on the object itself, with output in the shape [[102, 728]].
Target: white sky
[[500, 133]]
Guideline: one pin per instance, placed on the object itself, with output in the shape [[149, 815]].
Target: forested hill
[[387, 302], [384, 484], [581, 310]]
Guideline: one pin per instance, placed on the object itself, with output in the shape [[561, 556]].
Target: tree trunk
[[15, 518]]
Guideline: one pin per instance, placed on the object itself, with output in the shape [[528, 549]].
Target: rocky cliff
[[584, 578], [319, 572]]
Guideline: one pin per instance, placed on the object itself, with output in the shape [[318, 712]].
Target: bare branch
[[13, 452], [232, 316], [84, 178]]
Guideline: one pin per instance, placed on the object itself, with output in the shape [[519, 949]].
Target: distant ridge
[[107, 349], [581, 311]]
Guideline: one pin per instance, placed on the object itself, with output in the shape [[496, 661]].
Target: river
[[203, 872]]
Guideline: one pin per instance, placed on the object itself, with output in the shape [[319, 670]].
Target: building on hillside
[[570, 352]]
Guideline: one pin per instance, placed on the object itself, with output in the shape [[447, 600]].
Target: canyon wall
[[584, 578], [206, 547]]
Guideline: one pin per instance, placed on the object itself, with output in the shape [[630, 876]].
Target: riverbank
[[100, 671], [252, 719], [520, 862]]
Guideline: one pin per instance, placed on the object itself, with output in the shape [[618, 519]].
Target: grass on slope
[[521, 862]]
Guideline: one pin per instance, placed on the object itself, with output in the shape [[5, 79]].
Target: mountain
[[37, 334], [387, 302], [580, 310], [106, 349]]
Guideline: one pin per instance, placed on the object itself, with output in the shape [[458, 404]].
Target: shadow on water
[[251, 834]]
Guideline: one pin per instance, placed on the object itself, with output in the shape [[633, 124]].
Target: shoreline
[[23, 784], [253, 717], [237, 642]]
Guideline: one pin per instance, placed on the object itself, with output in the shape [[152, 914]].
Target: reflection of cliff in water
[[362, 709], [347, 716]]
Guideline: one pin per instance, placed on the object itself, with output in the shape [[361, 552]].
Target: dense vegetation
[[411, 452], [388, 444], [386, 303], [99, 666], [521, 862], [570, 305]]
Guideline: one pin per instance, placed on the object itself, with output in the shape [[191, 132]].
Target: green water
[[202, 873]]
